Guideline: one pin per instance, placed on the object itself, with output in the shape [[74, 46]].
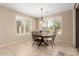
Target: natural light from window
[[23, 25], [52, 24]]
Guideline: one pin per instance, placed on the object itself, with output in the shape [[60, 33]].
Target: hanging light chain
[[41, 14]]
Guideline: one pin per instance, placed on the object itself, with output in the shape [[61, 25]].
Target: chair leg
[[32, 44], [52, 45]]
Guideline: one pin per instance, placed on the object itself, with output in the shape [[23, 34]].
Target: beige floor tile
[[25, 48]]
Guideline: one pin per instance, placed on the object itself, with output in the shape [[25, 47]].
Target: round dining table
[[44, 38]]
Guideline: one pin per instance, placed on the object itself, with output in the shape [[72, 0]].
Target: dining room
[[36, 29]]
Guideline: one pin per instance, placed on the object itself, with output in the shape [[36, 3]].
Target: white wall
[[8, 26]]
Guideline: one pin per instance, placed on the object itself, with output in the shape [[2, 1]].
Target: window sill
[[22, 34]]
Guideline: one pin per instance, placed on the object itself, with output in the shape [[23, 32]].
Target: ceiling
[[34, 9]]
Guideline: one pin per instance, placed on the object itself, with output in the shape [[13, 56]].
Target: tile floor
[[25, 48]]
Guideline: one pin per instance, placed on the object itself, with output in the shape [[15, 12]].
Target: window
[[52, 25], [23, 25]]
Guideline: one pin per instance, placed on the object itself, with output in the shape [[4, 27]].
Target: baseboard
[[65, 41], [11, 43]]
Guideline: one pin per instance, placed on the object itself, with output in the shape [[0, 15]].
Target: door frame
[[74, 24]]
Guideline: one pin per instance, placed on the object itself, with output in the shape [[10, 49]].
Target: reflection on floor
[[25, 48]]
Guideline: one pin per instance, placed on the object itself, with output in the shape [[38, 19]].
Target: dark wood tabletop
[[44, 36]]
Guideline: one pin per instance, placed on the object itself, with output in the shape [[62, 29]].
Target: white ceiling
[[33, 9]]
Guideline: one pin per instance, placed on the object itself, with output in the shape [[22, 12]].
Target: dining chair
[[52, 39], [35, 38]]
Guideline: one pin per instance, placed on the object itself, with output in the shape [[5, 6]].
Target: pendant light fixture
[[41, 14]]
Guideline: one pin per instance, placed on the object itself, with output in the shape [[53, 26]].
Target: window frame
[[25, 19]]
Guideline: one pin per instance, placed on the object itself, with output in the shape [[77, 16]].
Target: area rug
[[60, 53]]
